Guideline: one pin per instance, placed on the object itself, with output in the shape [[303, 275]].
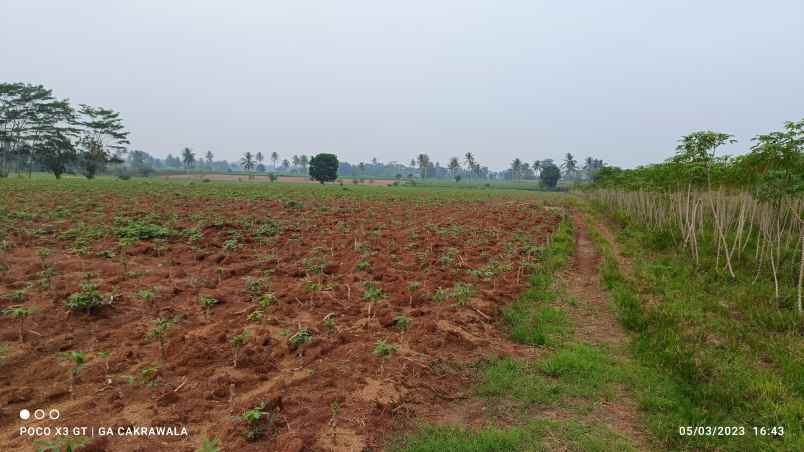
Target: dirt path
[[596, 324]]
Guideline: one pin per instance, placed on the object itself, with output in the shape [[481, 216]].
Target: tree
[[102, 138], [570, 165], [188, 158], [537, 167], [470, 162], [210, 157], [550, 175], [286, 164], [453, 166], [56, 152], [296, 161], [23, 110], [259, 157], [424, 164], [324, 168], [274, 158], [140, 162], [304, 161], [516, 168], [247, 162]]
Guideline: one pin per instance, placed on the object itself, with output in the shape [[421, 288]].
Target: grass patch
[[717, 351], [535, 436], [531, 318]]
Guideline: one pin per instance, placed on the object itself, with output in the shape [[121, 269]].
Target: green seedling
[[301, 337], [207, 303], [159, 331], [255, 316], [209, 445], [329, 322], [105, 357], [267, 299], [20, 313], [402, 322], [238, 341], [78, 360], [371, 292], [65, 444], [382, 348], [256, 420]]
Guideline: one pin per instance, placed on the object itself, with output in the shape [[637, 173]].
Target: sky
[[617, 80]]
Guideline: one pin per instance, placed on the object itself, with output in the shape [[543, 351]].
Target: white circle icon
[[25, 414], [53, 414], [39, 414]]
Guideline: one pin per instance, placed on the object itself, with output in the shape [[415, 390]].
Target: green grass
[[539, 435], [532, 318], [722, 351]]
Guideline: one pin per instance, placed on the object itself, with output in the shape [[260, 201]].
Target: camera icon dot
[[25, 414]]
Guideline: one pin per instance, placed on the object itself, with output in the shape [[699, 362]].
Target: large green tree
[[102, 138], [324, 167], [550, 174]]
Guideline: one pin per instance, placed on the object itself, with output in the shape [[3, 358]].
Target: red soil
[[332, 393]]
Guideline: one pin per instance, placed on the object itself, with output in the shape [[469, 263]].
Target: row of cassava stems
[[743, 228]]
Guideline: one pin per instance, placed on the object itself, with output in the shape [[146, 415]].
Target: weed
[[362, 264]]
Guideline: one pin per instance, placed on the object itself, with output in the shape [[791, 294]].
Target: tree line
[[37, 128]]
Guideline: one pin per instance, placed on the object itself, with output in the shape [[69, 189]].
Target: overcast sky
[[618, 80]]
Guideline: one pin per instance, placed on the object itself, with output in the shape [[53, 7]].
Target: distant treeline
[[39, 132]]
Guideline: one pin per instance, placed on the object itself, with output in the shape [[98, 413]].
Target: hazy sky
[[619, 80]]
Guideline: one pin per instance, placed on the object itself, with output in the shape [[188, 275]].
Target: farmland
[[342, 310]]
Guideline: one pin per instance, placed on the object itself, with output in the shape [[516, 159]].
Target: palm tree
[[516, 167], [537, 167], [286, 164], [424, 163], [569, 165], [453, 166], [188, 157], [210, 157], [362, 167], [295, 160], [274, 158], [259, 157], [247, 162], [304, 161], [470, 162]]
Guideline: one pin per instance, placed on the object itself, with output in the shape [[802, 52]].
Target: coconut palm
[[274, 158], [247, 162]]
